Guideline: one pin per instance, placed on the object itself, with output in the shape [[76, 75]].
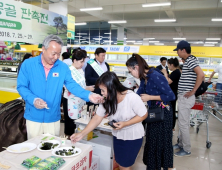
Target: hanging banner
[[120, 49], [71, 27], [22, 22]]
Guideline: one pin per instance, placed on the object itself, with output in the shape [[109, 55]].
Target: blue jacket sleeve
[[166, 94], [74, 87], [23, 84]]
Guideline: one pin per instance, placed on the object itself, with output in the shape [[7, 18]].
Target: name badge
[[55, 74]]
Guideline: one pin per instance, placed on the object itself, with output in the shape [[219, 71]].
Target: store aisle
[[201, 157]]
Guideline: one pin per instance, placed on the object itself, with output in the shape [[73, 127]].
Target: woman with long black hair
[[154, 89], [173, 80], [128, 110]]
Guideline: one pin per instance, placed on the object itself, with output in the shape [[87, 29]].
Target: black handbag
[[155, 115]]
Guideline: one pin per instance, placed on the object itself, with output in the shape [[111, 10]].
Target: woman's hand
[[119, 125], [164, 71], [145, 97], [90, 88], [76, 137]]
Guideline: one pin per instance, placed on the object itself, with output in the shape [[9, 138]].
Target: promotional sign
[[22, 22], [71, 27], [119, 49]]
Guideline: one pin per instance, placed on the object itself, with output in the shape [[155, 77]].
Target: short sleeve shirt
[[219, 71], [131, 106], [188, 77]]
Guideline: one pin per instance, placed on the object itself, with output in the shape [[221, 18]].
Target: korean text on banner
[[71, 27], [27, 23]]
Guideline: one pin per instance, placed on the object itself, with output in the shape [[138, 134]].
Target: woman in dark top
[[173, 80], [26, 56], [154, 89]]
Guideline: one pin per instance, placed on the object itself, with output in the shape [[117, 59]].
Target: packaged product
[[30, 162]]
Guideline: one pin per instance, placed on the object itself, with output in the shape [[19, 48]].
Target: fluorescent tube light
[[149, 39], [208, 45], [124, 38], [156, 4], [130, 41], [196, 42], [176, 41], [213, 39], [165, 20], [159, 43], [137, 43], [80, 23], [211, 42], [107, 41], [154, 41], [91, 9], [179, 38], [115, 43], [117, 22], [108, 33], [216, 19]]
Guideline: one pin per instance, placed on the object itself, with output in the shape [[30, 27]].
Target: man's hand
[[40, 104], [96, 98], [209, 81], [145, 97], [76, 137], [188, 94], [119, 125]]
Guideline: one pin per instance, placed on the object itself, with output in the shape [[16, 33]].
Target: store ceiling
[[193, 17]]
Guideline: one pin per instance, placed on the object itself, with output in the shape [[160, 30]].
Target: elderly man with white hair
[[40, 84]]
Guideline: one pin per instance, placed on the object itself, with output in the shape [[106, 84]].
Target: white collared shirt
[[102, 65], [164, 67]]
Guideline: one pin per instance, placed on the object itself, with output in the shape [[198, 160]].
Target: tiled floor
[[201, 157]]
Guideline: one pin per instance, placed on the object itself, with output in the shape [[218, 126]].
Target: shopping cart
[[206, 105]]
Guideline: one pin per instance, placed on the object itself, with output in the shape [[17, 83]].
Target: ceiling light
[[165, 20], [108, 33], [80, 23], [179, 38], [115, 43], [209, 45], [196, 42], [117, 22], [176, 41], [157, 4], [211, 42], [149, 39], [91, 9], [78, 36], [154, 41], [137, 43], [213, 39], [107, 41], [216, 19], [130, 41], [124, 38], [159, 43]]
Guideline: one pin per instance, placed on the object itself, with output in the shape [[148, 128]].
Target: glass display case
[[8, 80]]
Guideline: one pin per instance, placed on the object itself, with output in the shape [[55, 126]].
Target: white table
[[102, 145], [14, 160]]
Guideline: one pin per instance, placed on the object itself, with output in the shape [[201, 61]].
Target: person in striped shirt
[[191, 78]]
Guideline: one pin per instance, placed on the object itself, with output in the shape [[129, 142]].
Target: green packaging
[[30, 162]]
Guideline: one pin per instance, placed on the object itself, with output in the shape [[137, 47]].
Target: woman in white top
[[127, 109], [72, 105]]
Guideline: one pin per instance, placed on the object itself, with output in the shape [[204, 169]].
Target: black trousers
[[70, 126], [173, 103]]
